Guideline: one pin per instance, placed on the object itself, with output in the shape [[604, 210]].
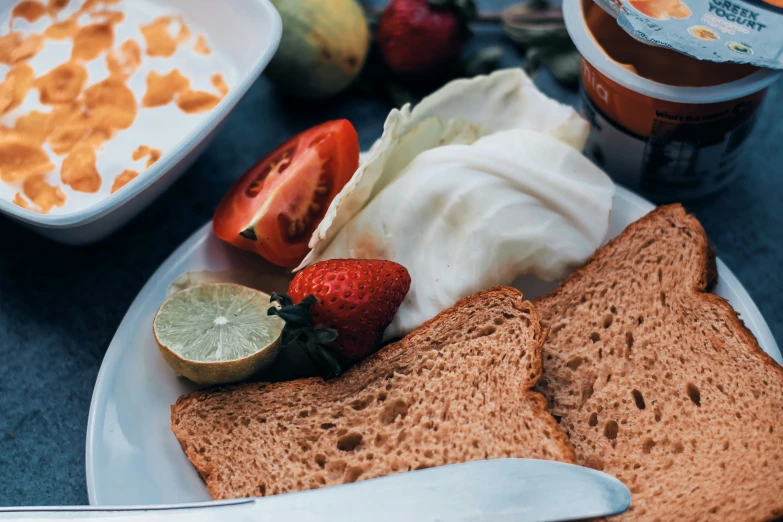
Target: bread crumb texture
[[457, 389], [660, 384]]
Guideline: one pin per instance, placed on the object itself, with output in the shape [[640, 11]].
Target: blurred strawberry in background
[[400, 50], [415, 36]]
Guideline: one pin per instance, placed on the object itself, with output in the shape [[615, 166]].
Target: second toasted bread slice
[[660, 384], [456, 389]]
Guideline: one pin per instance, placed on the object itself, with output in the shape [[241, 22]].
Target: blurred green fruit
[[323, 47]]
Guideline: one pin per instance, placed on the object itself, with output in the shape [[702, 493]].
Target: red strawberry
[[416, 35], [339, 309]]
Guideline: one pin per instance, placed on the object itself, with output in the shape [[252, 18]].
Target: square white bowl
[[246, 33]]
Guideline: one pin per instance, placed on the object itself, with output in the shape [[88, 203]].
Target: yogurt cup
[[671, 143]]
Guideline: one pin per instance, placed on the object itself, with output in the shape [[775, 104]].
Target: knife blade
[[501, 490]]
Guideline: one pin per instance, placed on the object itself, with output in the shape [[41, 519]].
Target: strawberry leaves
[[299, 329]]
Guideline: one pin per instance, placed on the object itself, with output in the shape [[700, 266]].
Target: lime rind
[[217, 322]]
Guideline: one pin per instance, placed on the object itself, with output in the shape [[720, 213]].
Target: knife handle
[[234, 510], [501, 490]]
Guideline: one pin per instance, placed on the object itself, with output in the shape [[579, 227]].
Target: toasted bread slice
[[660, 384], [456, 389]]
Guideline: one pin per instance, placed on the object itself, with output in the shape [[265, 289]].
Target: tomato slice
[[275, 207]]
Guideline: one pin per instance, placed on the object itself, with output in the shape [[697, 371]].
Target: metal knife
[[501, 490]]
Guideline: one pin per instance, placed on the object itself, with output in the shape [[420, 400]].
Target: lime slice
[[217, 333]]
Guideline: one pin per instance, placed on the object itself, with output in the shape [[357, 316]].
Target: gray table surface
[[60, 305]]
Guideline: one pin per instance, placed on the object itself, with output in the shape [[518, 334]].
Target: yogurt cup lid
[[590, 51]]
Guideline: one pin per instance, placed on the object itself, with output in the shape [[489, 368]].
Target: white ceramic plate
[[243, 36], [132, 456]]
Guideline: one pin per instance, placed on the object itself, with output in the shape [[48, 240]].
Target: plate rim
[[754, 317]]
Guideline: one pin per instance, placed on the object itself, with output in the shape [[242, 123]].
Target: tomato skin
[[275, 206]]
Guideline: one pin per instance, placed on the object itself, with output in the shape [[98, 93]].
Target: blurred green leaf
[[538, 30], [483, 62], [565, 67]]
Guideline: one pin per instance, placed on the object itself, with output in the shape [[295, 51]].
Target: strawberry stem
[[464, 10], [299, 329]]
